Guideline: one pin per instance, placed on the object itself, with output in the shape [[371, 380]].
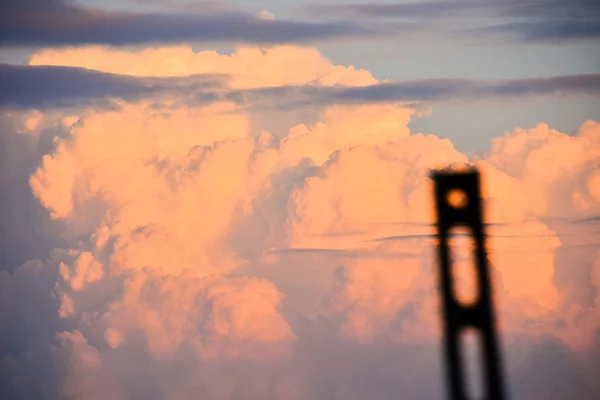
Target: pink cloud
[[170, 284]]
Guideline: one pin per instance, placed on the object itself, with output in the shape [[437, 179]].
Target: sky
[[409, 57], [231, 200]]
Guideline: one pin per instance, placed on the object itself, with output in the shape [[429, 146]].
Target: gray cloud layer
[[449, 89], [525, 21], [46, 87], [446, 8], [57, 23], [62, 87], [62, 23]]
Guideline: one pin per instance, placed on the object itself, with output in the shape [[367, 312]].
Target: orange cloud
[[249, 67], [225, 260]]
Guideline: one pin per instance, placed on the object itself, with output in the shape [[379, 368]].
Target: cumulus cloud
[[264, 14], [197, 253]]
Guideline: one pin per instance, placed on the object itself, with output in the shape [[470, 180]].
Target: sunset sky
[[231, 199]]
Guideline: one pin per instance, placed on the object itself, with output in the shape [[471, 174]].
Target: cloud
[[26, 231], [63, 23], [196, 253], [541, 32], [176, 76], [529, 20], [83, 78], [264, 14], [428, 9], [422, 9], [459, 89], [47, 87]]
